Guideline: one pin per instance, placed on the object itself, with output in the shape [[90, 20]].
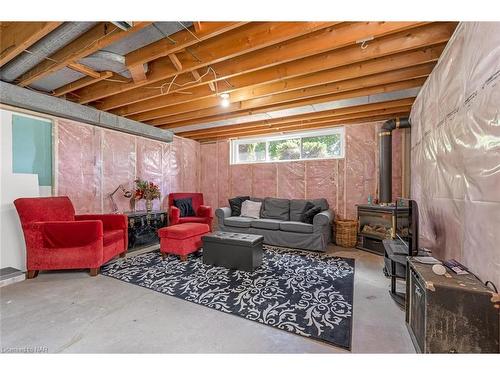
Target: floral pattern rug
[[306, 293]]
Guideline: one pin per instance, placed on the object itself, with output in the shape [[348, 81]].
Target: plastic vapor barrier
[[456, 151]]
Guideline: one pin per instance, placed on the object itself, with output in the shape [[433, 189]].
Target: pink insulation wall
[[91, 162], [343, 182], [455, 147]]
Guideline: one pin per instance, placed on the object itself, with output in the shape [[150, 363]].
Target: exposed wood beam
[[369, 67], [15, 37], [302, 118], [323, 122], [99, 37], [197, 27], [82, 82], [424, 36], [84, 70], [178, 41], [175, 61], [234, 110], [342, 120], [291, 96], [138, 73], [271, 47], [244, 39]]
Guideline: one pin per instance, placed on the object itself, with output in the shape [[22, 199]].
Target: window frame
[[234, 143]]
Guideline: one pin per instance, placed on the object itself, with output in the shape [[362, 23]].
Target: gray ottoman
[[233, 250]]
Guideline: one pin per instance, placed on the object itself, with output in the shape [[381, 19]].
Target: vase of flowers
[[148, 191]]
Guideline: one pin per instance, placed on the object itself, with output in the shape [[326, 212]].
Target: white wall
[[12, 186]]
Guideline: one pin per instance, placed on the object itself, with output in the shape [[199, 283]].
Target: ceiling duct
[[124, 25]]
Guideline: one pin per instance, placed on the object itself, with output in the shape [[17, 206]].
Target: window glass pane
[[287, 149], [325, 146], [252, 152]]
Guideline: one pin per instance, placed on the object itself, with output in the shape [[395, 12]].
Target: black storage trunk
[[456, 314], [233, 250]]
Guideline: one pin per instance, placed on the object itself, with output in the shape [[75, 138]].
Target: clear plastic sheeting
[[321, 180], [456, 151], [209, 181], [92, 162], [291, 181], [118, 168], [79, 165], [149, 166], [264, 180], [190, 165]]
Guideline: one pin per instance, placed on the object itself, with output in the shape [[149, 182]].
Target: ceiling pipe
[[385, 156]]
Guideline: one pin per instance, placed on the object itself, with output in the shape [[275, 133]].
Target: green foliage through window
[[319, 146]]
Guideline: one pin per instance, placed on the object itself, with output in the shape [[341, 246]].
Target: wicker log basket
[[346, 232]]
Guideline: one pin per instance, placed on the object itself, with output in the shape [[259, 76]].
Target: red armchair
[[203, 213], [56, 238]]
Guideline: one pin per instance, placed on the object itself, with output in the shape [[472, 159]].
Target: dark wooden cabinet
[[143, 227], [450, 314]]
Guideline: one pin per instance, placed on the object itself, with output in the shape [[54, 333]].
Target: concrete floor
[[71, 312]]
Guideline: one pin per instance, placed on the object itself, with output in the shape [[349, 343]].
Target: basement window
[[311, 145]]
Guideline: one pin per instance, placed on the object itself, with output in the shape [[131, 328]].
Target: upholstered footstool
[[181, 239]]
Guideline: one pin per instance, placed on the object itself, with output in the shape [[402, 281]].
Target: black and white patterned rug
[[306, 293]]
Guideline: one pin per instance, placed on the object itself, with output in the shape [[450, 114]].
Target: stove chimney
[[385, 156]]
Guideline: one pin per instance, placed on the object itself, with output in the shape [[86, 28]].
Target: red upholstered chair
[[56, 238], [204, 214]]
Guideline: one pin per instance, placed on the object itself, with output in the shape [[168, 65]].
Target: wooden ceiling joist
[[84, 70], [291, 58], [244, 39], [15, 37], [379, 65], [138, 73], [82, 82], [178, 41], [302, 119], [175, 61], [290, 96], [99, 37], [235, 110], [339, 121]]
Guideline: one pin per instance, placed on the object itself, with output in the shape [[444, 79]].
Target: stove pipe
[[385, 156]]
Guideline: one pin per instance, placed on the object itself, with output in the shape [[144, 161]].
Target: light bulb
[[224, 100]]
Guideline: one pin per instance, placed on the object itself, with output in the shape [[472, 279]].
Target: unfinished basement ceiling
[[280, 76]]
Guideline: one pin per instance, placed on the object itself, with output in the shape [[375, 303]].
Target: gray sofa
[[280, 223]]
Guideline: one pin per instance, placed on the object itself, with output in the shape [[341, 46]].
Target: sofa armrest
[[61, 234], [323, 218], [204, 211], [109, 221], [174, 215], [222, 213]]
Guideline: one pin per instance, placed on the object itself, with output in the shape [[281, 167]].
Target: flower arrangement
[[146, 190]]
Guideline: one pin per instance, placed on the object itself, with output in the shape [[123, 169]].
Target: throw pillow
[[251, 209], [235, 204], [310, 210], [185, 206]]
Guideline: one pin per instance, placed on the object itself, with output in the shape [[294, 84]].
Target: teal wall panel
[[32, 148]]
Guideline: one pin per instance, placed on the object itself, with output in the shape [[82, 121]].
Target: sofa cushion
[[320, 202], [296, 226], [185, 206], [296, 208], [271, 224], [251, 209], [310, 210], [238, 221], [235, 204], [275, 208]]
